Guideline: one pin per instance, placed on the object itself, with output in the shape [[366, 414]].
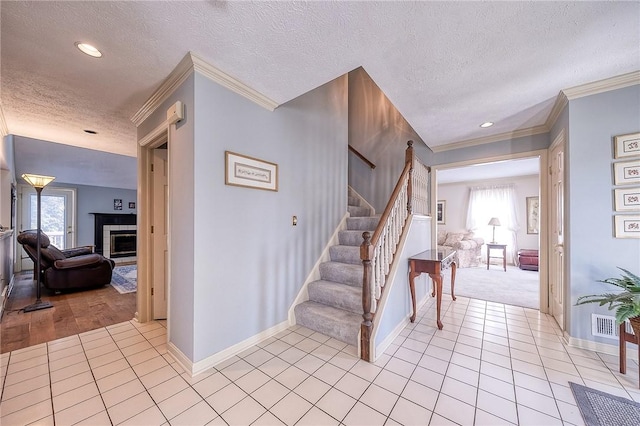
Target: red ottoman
[[528, 259]]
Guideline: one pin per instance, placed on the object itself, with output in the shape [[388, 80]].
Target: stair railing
[[411, 194]]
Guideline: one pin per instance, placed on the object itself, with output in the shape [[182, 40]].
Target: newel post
[[367, 325], [409, 159]]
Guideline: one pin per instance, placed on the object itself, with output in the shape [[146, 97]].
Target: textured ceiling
[[446, 66]]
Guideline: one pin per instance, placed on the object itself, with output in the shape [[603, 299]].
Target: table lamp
[[494, 222]]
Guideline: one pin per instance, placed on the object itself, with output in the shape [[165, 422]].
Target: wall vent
[[605, 326]]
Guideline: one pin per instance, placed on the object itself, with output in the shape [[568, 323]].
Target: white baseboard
[[603, 348], [379, 350], [195, 368], [314, 275], [5, 295]]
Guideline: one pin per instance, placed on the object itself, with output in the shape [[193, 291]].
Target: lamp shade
[[37, 181], [494, 221]]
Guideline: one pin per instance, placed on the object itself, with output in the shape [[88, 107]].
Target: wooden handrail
[[387, 209], [362, 157]]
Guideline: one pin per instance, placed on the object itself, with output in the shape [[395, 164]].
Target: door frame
[[146, 145], [543, 182]]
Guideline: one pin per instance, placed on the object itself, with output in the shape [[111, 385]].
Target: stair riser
[[341, 273], [328, 325], [358, 211], [345, 254], [327, 295], [362, 223], [353, 201], [350, 238]]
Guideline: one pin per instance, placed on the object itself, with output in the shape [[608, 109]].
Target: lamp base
[[37, 306]]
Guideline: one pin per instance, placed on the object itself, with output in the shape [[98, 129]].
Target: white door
[[56, 217], [160, 227], [556, 230]]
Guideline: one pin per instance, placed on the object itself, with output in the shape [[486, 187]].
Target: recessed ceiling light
[[486, 124], [91, 132], [89, 49]]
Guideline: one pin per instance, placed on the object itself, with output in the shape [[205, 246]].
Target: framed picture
[[132, 204], [441, 209], [627, 226], [627, 145], [627, 199], [249, 172], [626, 172], [117, 204], [533, 215]]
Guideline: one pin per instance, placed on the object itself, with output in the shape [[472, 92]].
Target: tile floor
[[492, 364]]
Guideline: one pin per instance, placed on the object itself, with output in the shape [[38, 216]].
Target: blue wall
[[594, 252]]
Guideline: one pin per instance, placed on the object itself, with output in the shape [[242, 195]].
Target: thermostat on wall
[[175, 113]]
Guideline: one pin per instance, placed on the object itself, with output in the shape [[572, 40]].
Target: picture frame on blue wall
[[627, 145], [626, 172], [249, 172], [627, 199], [627, 226]]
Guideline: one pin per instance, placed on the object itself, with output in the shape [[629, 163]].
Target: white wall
[[456, 196]]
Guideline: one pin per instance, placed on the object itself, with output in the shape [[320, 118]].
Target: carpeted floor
[[125, 278], [513, 287], [602, 409]]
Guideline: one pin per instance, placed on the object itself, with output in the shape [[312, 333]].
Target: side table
[[496, 246]]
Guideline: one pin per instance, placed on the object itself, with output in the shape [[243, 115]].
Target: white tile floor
[[492, 364]]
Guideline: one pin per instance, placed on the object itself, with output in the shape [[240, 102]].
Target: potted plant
[[626, 303]]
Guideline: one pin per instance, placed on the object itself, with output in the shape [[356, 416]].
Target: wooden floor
[[72, 313]]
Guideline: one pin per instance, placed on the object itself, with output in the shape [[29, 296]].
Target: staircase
[[335, 301]]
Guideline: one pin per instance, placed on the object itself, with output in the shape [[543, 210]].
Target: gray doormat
[[603, 409]]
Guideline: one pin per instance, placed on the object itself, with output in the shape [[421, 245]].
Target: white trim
[[4, 130], [560, 103], [192, 63], [314, 275], [490, 139], [362, 199], [195, 368], [601, 86], [6, 293], [603, 348], [236, 86]]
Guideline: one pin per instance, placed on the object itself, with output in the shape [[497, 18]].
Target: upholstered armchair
[[74, 268]]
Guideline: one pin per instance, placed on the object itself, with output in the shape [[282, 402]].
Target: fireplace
[[122, 244]]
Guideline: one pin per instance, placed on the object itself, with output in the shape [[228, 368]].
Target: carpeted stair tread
[[365, 223], [342, 273], [345, 254], [337, 323], [357, 211], [337, 295]]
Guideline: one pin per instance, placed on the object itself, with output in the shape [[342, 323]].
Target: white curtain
[[495, 201]]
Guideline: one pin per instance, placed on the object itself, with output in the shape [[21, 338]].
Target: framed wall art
[[117, 204], [441, 210], [627, 145], [627, 226], [533, 215], [249, 172], [627, 199], [626, 172]]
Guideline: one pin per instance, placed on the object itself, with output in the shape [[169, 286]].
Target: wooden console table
[[496, 246], [432, 262]]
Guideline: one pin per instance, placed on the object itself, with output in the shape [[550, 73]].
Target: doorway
[[57, 217], [525, 172]]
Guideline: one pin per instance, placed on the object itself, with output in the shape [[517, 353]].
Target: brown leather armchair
[[74, 268]]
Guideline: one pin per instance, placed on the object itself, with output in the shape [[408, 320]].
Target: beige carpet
[[513, 287]]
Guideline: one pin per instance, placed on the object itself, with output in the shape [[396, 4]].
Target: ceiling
[[446, 66]]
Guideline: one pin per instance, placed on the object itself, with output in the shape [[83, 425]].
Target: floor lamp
[[38, 182]]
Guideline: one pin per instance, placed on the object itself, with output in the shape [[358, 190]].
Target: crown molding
[[559, 105], [193, 63], [225, 80], [600, 86], [4, 130], [536, 130]]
